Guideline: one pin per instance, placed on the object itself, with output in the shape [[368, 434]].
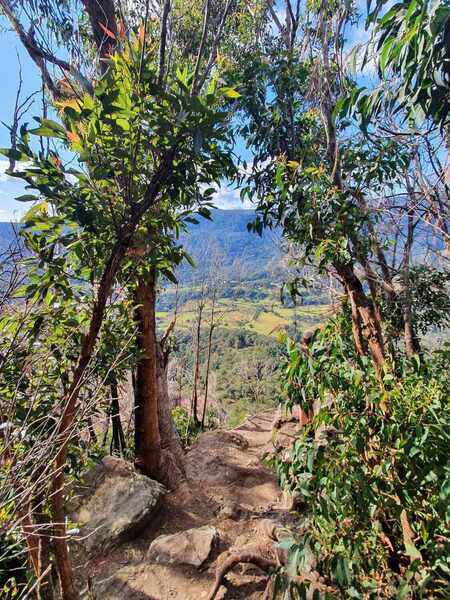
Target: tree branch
[[244, 557], [39, 56], [201, 47], [163, 40], [102, 18], [215, 45]]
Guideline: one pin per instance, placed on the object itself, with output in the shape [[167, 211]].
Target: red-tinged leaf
[[108, 32], [56, 161], [121, 30], [73, 137]]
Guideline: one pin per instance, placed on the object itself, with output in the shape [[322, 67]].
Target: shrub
[[186, 427], [371, 469]]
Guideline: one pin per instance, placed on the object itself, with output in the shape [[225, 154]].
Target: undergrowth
[[371, 470]]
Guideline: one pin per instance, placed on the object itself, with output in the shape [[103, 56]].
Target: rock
[[117, 466], [229, 511], [117, 504], [190, 547], [323, 434]]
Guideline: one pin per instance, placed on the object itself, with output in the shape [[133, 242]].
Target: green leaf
[[229, 92], [27, 198], [169, 275], [205, 213], [47, 132], [385, 53], [14, 154]]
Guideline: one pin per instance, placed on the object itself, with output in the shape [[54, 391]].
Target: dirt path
[[229, 489]]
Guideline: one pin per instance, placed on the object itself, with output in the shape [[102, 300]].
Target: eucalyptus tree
[[314, 171], [308, 174], [150, 137], [408, 43]]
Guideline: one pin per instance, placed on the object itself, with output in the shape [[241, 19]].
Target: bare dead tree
[[196, 338]]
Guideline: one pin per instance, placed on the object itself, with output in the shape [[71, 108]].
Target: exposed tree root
[[244, 557]]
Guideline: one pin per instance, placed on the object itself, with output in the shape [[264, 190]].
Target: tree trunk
[[91, 431], [102, 18], [46, 587], [118, 439], [208, 358], [412, 345], [194, 400], [356, 325], [148, 450], [172, 469], [371, 327]]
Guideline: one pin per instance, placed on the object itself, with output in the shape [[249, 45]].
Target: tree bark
[[371, 328], [124, 239], [118, 439], [172, 468], [356, 325], [194, 401], [103, 19], [412, 345], [148, 452], [91, 430]]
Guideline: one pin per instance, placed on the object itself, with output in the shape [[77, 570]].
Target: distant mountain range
[[224, 240], [7, 234]]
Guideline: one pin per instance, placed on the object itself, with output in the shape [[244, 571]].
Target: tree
[[92, 221], [301, 176]]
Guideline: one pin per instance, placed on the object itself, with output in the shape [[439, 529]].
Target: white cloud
[[228, 197], [4, 164], [10, 188]]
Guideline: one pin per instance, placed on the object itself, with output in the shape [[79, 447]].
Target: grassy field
[[266, 317]]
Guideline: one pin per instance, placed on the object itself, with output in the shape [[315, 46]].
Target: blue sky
[[11, 51]]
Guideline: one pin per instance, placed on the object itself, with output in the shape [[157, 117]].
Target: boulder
[[190, 547], [116, 505]]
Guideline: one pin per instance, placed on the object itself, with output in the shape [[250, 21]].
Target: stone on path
[[190, 547], [119, 503]]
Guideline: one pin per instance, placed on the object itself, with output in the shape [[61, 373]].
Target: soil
[[228, 487]]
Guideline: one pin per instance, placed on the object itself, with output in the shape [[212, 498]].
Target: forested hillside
[[225, 232], [202, 403]]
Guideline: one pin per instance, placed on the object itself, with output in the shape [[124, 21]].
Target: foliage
[[244, 372], [371, 469], [412, 43], [430, 302], [71, 229], [122, 134], [146, 158], [318, 200], [186, 427], [13, 567]]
